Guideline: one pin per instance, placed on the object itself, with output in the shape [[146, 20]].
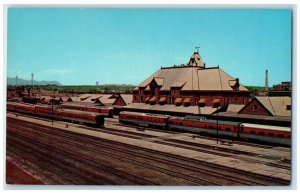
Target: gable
[[255, 107]]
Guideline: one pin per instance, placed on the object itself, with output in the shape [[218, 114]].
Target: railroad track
[[209, 149], [91, 149], [238, 176], [112, 120]]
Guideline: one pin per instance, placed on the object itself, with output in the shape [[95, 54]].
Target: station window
[[255, 107]]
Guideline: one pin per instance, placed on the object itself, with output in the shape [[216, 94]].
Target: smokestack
[[267, 81]]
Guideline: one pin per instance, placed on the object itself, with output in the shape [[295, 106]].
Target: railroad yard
[[118, 154]]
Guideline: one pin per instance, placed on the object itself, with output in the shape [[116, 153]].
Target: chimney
[[267, 81]]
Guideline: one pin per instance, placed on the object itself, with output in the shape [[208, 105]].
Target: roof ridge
[[220, 79], [272, 105]]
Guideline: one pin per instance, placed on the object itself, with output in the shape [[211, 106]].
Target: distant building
[[283, 89], [284, 86]]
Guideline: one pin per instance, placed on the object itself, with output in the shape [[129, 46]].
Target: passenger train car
[[268, 133], [197, 124], [107, 111], [204, 126], [89, 118], [144, 119]]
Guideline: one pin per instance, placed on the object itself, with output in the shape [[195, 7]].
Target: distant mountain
[[12, 81]]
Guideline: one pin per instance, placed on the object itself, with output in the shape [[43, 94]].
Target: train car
[[81, 117], [45, 111], [73, 106], [89, 118], [107, 111], [266, 133], [197, 124], [21, 108], [144, 119], [11, 106]]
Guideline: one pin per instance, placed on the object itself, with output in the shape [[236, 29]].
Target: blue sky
[[81, 46]]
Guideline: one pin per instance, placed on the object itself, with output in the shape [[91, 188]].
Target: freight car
[[88, 118], [197, 124], [107, 111]]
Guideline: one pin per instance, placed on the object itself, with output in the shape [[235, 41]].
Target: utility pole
[[217, 125], [32, 81], [52, 100], [52, 109], [32, 88], [16, 85]]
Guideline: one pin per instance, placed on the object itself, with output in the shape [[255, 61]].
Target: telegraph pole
[[16, 85], [217, 125], [52, 110], [32, 81]]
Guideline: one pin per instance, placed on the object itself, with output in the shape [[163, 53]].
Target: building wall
[[226, 97], [284, 86], [255, 108]]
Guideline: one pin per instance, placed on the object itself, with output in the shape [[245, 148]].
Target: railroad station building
[[191, 84]]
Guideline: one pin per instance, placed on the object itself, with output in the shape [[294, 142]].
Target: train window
[[288, 136], [252, 132], [227, 129], [280, 135], [205, 126], [261, 133], [219, 128], [271, 134], [211, 127]]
